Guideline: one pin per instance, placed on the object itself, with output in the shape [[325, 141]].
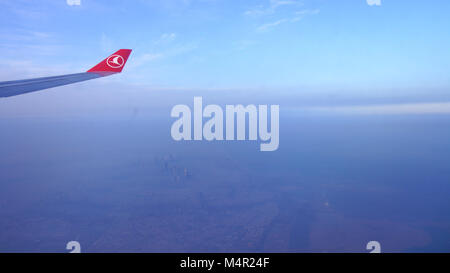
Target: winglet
[[112, 64]]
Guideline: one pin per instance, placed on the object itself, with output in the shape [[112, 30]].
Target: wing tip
[[113, 63]]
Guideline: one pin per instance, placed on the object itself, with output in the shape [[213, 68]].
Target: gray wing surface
[[14, 88], [109, 66]]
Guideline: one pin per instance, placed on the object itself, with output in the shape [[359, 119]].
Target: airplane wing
[[109, 66]]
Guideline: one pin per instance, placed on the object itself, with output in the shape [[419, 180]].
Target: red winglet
[[113, 63]]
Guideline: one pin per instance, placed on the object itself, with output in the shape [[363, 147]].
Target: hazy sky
[[294, 53], [223, 44]]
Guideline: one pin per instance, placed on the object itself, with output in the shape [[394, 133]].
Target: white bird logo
[[115, 61]]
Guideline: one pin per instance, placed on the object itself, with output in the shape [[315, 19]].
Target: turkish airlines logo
[[115, 61]]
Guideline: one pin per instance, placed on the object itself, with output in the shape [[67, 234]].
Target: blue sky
[[234, 44], [386, 56]]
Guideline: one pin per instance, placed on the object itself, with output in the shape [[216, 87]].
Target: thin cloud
[[73, 2], [166, 38], [258, 11], [307, 12], [24, 35], [271, 8], [389, 109], [150, 57], [279, 3], [374, 2], [302, 13], [269, 26], [244, 44], [143, 59], [298, 16]]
